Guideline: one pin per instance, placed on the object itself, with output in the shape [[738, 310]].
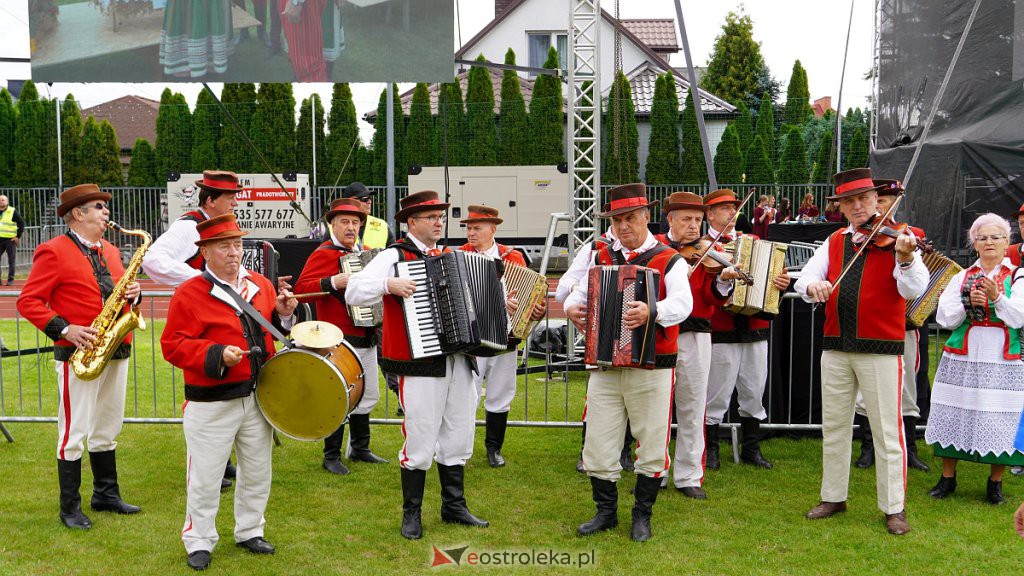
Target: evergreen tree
[[766, 127], [736, 70], [513, 142], [857, 151], [451, 121], [7, 126], [31, 165], [420, 135], [814, 131], [694, 170], [758, 168], [729, 159], [480, 120], [343, 140], [824, 165], [273, 125], [71, 141], [109, 160], [798, 97], [621, 138], [240, 101], [793, 162], [744, 124], [663, 145], [206, 133], [310, 120], [546, 127], [142, 170], [380, 150], [173, 135]]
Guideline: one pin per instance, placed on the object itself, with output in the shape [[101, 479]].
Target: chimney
[[500, 6]]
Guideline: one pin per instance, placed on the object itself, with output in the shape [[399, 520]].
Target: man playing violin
[[888, 191], [863, 345], [710, 284], [739, 353]]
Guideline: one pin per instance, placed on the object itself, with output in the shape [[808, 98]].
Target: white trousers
[[911, 364], [90, 409], [500, 372], [877, 377], [211, 429], [742, 367], [691, 391], [371, 385], [642, 396], [440, 416]]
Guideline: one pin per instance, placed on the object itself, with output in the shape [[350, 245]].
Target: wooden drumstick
[[309, 295]]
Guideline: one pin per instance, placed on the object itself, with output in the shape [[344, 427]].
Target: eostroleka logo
[[464, 556]]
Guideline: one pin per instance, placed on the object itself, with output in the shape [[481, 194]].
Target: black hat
[[356, 190]]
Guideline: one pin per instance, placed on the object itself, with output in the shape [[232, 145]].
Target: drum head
[[302, 394]]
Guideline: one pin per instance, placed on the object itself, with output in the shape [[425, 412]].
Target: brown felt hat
[[721, 196], [220, 181], [683, 201], [78, 195], [218, 228], [345, 206], [482, 214], [422, 201], [625, 198], [852, 182], [888, 187]]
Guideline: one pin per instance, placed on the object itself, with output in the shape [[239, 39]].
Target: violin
[[887, 234], [714, 262]]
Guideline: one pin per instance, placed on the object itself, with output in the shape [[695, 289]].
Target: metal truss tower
[[584, 116]]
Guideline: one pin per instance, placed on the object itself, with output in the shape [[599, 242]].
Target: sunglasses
[[98, 206]]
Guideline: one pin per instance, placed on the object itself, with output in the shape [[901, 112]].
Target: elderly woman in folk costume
[[978, 392], [196, 37]]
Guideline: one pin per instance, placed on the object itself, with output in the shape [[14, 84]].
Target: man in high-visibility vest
[[11, 228], [375, 233]]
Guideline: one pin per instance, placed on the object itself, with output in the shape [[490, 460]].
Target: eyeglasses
[[432, 219], [994, 238]]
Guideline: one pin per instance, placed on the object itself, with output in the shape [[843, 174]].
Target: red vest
[[316, 277], [705, 298], [1013, 253], [506, 253], [196, 260], [729, 328], [665, 339], [396, 355], [866, 313]]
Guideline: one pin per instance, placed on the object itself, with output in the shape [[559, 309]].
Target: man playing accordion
[[322, 273], [642, 396]]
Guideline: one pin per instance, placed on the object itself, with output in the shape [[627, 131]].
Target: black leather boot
[[229, 470], [579, 463], [497, 422], [606, 497], [945, 487], [332, 452], [106, 494], [359, 440], [910, 433], [645, 493], [711, 439], [994, 492], [626, 458], [69, 475], [453, 497], [751, 453], [867, 445], [412, 502]]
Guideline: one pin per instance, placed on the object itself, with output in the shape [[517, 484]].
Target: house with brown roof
[[132, 117]]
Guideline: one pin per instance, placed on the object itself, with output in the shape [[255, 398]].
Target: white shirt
[[577, 270], [951, 312], [911, 282], [165, 260], [242, 279], [85, 242], [724, 287], [369, 286], [678, 301]]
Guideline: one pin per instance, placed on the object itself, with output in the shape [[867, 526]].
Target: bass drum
[[306, 394]]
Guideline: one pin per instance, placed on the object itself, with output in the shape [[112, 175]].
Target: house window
[[539, 42]]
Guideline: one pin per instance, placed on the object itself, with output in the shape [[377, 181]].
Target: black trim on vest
[[847, 305], [430, 367], [741, 332], [63, 353], [694, 324], [198, 219], [227, 391], [665, 360]]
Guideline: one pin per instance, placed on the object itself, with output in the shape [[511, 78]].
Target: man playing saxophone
[[72, 275]]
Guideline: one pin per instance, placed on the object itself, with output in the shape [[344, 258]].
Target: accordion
[[458, 305], [763, 261], [365, 316], [609, 343], [940, 271], [531, 289]]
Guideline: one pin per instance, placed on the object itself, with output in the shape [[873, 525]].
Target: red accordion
[[609, 343]]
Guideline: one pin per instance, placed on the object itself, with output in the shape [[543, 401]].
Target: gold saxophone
[[111, 324]]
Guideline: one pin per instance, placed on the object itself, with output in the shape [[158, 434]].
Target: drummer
[[220, 348], [322, 274]]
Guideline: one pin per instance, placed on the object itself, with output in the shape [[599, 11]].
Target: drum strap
[[249, 310]]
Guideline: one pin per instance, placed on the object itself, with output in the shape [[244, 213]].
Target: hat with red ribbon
[[218, 228], [852, 182], [626, 198], [219, 181], [721, 196], [345, 206], [420, 202], [683, 201], [482, 214]]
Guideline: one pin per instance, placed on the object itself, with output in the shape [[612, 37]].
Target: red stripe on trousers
[[188, 481], [67, 411], [899, 416], [405, 414], [668, 432]]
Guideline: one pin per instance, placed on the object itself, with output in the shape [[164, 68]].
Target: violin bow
[[711, 244], [874, 232]]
